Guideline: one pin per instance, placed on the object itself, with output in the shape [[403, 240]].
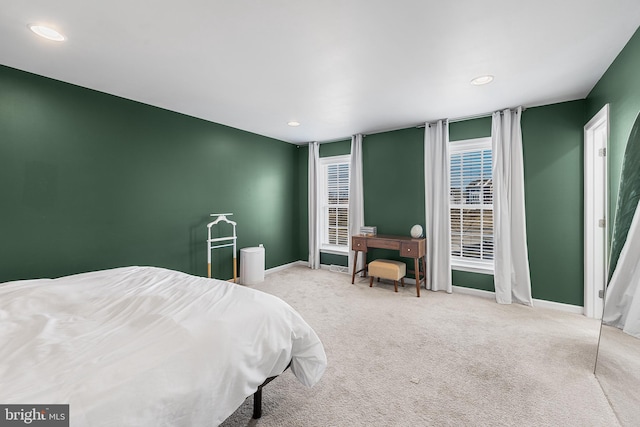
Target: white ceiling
[[339, 67]]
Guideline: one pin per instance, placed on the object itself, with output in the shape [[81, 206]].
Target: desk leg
[[424, 270], [365, 266], [417, 270], [355, 263]]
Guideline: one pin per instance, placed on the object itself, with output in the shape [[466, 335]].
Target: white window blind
[[335, 206], [471, 202]]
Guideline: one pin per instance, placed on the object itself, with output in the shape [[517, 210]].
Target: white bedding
[[143, 346]]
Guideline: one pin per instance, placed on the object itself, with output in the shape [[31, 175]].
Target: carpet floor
[[438, 360]]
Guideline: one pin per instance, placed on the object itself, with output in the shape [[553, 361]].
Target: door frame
[[596, 208]]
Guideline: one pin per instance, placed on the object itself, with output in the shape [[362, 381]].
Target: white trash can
[[252, 265]]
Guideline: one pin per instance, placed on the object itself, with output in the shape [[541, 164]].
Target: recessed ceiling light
[[293, 124], [482, 80], [47, 32]]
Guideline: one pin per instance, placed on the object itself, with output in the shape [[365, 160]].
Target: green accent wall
[[466, 279], [303, 206], [338, 148], [393, 176], [552, 144], [91, 181], [620, 88], [333, 259], [470, 129]]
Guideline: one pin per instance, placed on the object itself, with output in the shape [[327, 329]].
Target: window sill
[[335, 250], [472, 267]]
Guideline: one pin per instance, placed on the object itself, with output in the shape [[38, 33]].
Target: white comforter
[[143, 346]]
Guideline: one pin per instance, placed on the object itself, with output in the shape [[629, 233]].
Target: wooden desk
[[408, 247]]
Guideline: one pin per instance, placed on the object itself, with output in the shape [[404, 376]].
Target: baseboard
[[332, 267], [475, 292], [278, 268], [567, 308], [335, 268], [539, 303], [285, 266]]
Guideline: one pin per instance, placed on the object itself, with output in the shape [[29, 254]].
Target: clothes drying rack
[[219, 242]]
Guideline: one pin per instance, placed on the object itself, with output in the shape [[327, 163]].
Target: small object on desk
[[368, 230], [416, 231]]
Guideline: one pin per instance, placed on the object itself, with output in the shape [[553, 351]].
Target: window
[[471, 203], [334, 204]]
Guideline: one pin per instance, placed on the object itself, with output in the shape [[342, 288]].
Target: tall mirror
[[618, 361]]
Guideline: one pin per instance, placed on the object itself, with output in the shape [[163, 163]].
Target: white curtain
[[356, 196], [438, 221], [511, 260], [622, 300], [314, 222]]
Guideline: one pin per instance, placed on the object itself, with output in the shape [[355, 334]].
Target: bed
[[145, 346]]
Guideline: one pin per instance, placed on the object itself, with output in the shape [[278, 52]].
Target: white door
[[596, 223]]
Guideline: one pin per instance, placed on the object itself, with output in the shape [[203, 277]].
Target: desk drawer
[[410, 250], [383, 243], [359, 244]]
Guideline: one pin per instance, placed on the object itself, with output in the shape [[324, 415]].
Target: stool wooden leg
[[370, 281], [395, 285], [402, 281]]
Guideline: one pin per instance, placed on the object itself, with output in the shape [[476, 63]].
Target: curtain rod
[[421, 125], [418, 126], [302, 144], [476, 116]]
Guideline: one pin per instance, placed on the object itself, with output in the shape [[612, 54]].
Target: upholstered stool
[[387, 269]]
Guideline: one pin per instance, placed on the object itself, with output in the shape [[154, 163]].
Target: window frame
[[324, 163], [461, 263]]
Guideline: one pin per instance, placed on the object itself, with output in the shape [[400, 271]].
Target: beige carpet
[[618, 371], [439, 360]]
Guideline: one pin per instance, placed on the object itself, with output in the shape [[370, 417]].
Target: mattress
[[145, 346]]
